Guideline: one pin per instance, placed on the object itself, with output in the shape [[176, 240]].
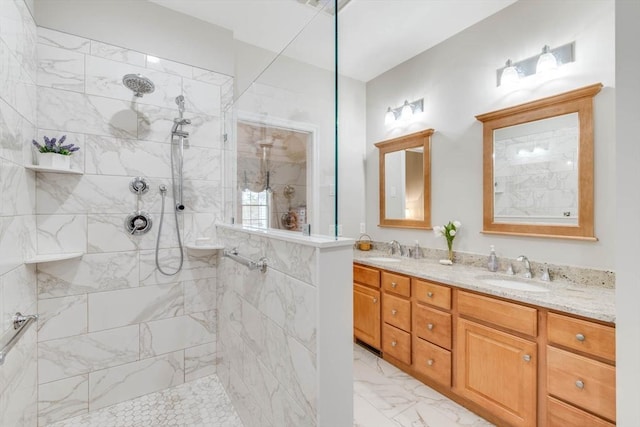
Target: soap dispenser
[[492, 263], [417, 252]]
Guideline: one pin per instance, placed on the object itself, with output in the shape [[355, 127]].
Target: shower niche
[[273, 175]]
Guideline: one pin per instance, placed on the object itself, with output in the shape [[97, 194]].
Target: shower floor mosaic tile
[[200, 403]]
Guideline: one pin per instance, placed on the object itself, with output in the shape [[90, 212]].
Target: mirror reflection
[[272, 176], [405, 187], [404, 184], [536, 171], [538, 167]]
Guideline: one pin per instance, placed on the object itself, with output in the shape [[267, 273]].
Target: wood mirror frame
[[419, 139], [576, 101]]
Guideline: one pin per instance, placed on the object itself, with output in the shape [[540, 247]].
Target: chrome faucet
[[394, 246], [527, 266]]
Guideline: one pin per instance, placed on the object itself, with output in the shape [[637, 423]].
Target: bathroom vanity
[[517, 358]]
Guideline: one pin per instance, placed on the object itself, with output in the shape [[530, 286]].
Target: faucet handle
[[545, 273]]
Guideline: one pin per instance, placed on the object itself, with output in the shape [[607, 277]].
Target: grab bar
[[261, 264], [20, 325]]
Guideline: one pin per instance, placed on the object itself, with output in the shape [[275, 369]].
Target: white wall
[[18, 374], [628, 211], [142, 26], [457, 80]]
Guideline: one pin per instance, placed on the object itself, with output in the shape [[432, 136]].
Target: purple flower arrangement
[[55, 146]]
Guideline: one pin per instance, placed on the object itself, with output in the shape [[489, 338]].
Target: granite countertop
[[589, 301]]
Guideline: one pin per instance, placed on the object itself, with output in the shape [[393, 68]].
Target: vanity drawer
[[588, 337], [501, 313], [397, 284], [430, 293], [366, 275], [396, 311], [560, 414], [583, 382], [432, 361], [396, 343], [432, 325]]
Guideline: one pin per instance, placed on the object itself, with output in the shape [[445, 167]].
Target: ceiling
[[373, 35]]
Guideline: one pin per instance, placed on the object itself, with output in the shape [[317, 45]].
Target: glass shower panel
[[280, 163]]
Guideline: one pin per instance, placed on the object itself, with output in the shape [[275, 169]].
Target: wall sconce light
[[404, 112], [548, 59]]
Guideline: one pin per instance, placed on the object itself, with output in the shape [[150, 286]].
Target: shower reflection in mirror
[[272, 176]]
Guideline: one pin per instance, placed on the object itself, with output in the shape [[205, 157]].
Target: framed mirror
[[405, 184], [538, 167]]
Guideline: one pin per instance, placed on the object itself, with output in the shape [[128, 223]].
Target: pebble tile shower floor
[[383, 396]]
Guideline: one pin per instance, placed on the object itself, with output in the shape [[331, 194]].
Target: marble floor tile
[[383, 397]]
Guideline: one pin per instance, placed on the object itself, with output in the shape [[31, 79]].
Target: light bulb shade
[[407, 111], [390, 117], [510, 75], [547, 61]]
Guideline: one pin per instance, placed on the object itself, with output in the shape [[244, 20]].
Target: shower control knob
[[138, 223]]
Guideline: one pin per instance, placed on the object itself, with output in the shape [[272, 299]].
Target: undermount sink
[[514, 283], [382, 259]]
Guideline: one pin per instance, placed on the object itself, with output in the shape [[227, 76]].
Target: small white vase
[[53, 160]]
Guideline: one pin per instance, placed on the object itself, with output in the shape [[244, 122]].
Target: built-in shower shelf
[[212, 247], [53, 257], [53, 170]]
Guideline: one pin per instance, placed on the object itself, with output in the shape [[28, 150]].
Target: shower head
[[180, 102], [139, 84]]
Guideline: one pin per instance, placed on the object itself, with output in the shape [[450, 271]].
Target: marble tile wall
[[18, 374], [113, 327], [267, 332]]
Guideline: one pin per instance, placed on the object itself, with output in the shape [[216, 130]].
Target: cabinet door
[[366, 315], [498, 371]]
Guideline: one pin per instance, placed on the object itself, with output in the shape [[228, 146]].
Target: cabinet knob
[[430, 294], [580, 384], [375, 300], [580, 337], [394, 343], [526, 358], [394, 312], [430, 326], [394, 284], [430, 362]]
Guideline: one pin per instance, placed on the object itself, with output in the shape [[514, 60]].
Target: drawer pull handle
[[430, 326], [375, 300], [430, 362], [430, 294], [526, 358], [394, 343], [580, 337], [580, 384], [394, 284], [394, 312]]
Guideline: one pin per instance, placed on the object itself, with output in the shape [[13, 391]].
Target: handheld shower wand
[[179, 135]]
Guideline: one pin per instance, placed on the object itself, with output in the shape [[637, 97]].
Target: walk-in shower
[[179, 138]]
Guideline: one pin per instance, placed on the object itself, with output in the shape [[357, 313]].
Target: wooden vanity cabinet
[[366, 305], [496, 357], [396, 317], [580, 372], [432, 322], [514, 364]]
